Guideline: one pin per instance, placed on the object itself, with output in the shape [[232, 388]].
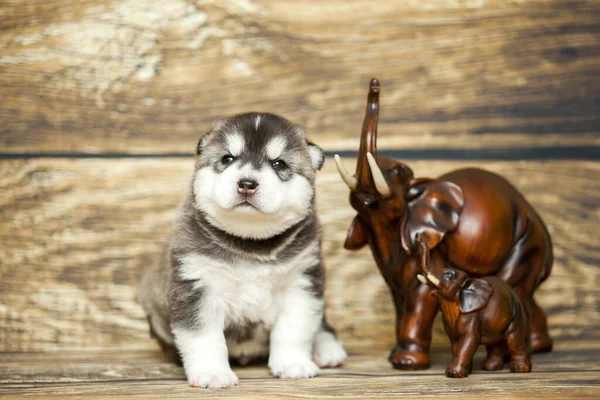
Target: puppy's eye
[[226, 160], [279, 165], [449, 275]]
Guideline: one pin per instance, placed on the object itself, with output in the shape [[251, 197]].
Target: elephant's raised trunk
[[368, 139], [368, 174]]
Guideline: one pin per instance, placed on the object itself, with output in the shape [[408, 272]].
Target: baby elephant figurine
[[478, 311]]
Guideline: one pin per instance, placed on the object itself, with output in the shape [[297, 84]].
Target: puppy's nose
[[247, 186]]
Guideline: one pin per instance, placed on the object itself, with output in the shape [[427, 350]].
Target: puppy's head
[[255, 175]]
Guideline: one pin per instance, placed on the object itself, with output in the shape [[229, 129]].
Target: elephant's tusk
[[349, 179], [422, 279], [380, 183], [433, 280]]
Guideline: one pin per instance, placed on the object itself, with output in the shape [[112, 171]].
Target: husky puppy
[[242, 277]]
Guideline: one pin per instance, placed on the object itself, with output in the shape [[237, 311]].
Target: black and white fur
[[242, 277]]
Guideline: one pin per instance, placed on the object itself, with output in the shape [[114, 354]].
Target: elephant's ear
[[357, 236], [474, 295], [433, 208]]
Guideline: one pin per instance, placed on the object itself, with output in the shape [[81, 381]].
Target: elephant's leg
[[463, 355], [523, 273], [413, 328], [540, 339], [495, 357], [520, 359], [469, 338], [453, 346]]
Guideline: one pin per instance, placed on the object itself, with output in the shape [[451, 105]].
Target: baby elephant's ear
[[474, 295], [317, 159]]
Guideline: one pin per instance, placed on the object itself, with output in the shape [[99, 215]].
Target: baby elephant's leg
[[463, 355], [520, 359], [495, 357], [465, 347]]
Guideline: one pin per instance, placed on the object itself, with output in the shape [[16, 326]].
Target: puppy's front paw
[[328, 351], [294, 366], [215, 378]]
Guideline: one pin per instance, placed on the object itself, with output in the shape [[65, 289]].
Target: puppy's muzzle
[[247, 186]]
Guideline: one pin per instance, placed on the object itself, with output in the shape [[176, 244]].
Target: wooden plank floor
[[566, 373]]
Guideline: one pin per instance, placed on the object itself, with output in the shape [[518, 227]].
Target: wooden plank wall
[[147, 77], [76, 235]]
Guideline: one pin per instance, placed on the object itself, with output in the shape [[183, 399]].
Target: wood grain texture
[[365, 375], [140, 76], [76, 235]]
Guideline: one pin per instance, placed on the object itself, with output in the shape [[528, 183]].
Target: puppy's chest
[[250, 292]]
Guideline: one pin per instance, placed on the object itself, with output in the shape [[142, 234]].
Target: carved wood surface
[[150, 76]]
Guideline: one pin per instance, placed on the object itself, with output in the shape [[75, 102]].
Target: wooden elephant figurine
[[471, 219], [478, 311]]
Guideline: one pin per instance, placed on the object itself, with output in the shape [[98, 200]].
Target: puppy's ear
[[317, 159], [201, 144]]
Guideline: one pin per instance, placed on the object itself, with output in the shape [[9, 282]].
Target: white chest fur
[[248, 291]]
